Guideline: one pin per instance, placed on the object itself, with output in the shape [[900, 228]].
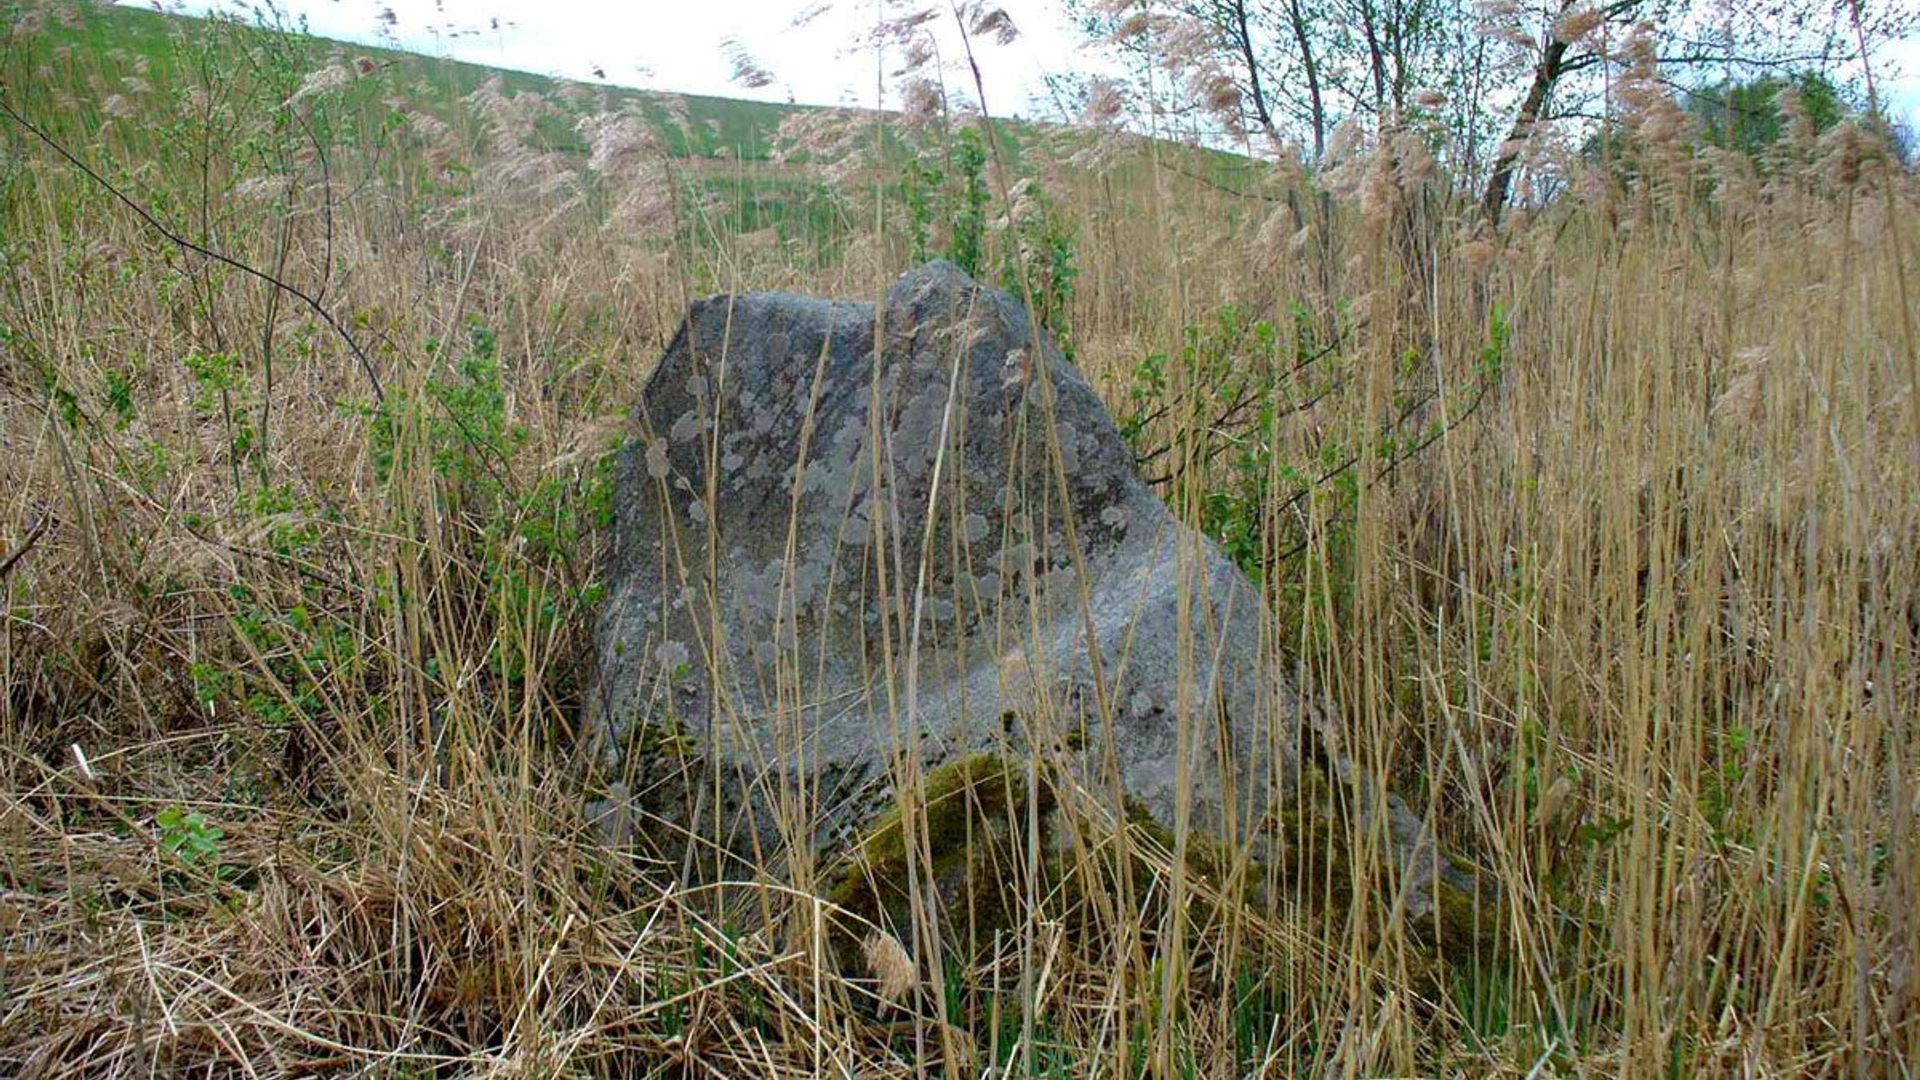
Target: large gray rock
[[825, 551]]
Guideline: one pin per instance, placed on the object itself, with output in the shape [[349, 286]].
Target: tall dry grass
[[1598, 537]]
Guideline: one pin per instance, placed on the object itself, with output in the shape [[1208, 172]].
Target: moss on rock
[[973, 812]]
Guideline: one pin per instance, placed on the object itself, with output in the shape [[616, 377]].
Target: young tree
[[1492, 73]]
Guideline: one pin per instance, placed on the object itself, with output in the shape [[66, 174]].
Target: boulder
[[831, 558]]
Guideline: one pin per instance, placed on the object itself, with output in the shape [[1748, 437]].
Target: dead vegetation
[[1599, 533]]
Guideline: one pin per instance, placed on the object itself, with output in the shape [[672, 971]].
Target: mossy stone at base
[[974, 813]]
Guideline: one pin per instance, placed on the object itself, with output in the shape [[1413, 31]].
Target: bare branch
[[314, 305]]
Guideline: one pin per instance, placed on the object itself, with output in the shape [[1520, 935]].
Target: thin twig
[[1209, 181], [1167, 407], [1393, 463], [366, 365], [33, 538]]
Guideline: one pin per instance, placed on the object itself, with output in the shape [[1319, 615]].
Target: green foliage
[[520, 538], [1746, 116], [1493, 355], [1205, 421], [223, 385], [1259, 1007], [1145, 399], [921, 180], [1205, 416], [809, 218], [967, 235], [1041, 254], [463, 411], [119, 398], [188, 836], [1482, 995], [298, 653]]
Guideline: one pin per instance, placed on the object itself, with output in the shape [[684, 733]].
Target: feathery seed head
[[1478, 253], [1106, 102], [1577, 25], [320, 81], [922, 102], [1132, 27], [995, 23], [613, 140], [747, 71], [892, 968]]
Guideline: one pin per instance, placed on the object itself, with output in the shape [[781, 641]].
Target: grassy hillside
[[173, 43], [1595, 538]]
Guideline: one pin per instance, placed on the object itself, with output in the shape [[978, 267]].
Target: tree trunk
[[1238, 11], [1314, 104], [1376, 62], [1500, 183]]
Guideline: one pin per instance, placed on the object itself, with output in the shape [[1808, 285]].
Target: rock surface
[[825, 552]]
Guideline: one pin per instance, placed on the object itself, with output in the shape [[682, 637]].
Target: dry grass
[[1635, 629]]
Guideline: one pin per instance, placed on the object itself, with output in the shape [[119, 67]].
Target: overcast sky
[[682, 45]]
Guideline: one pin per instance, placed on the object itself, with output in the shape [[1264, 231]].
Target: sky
[[683, 45]]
